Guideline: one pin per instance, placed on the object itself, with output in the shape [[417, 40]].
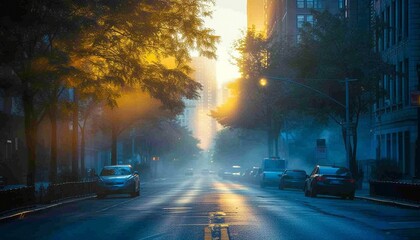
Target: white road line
[[104, 209]]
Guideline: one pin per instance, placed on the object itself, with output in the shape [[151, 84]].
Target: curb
[[22, 214], [390, 202]]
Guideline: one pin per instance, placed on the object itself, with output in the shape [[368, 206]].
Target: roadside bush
[[386, 170]]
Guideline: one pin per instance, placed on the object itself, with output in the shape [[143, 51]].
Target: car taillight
[[321, 178], [350, 180]]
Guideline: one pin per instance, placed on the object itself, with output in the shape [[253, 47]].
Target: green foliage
[[99, 47], [169, 141], [238, 147], [331, 50]]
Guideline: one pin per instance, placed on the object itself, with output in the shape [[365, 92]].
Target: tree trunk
[[30, 135], [75, 137], [82, 151], [353, 160], [114, 140], [53, 150]]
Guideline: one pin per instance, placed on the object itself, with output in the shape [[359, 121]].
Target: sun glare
[[229, 20]]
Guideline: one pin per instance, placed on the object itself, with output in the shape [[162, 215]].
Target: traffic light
[[415, 98]]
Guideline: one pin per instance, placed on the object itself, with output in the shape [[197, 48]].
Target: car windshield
[[334, 171], [116, 171], [297, 174], [273, 165]]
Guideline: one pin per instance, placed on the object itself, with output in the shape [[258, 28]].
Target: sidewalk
[[364, 195], [20, 213]]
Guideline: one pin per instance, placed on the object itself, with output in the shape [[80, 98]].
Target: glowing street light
[[263, 82]]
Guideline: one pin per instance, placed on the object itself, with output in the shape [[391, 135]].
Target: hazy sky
[[229, 19]]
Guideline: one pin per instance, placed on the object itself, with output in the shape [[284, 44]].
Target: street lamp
[[346, 106], [263, 83]]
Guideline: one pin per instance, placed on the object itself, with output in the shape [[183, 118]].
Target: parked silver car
[[118, 179]]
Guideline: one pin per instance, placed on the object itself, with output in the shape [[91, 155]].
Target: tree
[[146, 45], [325, 56], [133, 107], [170, 141], [125, 40], [254, 106], [232, 147], [29, 30]]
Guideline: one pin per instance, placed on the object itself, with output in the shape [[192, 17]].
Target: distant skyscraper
[[196, 116], [284, 19], [255, 15]]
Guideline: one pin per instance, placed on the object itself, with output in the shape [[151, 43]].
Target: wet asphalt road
[[182, 208]]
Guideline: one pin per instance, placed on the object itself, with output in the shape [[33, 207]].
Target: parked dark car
[[330, 180], [293, 179], [118, 179]]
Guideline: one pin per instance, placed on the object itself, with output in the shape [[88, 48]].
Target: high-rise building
[[196, 115], [396, 126], [255, 15], [395, 25], [284, 18]]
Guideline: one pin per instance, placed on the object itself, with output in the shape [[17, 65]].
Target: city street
[[184, 208]]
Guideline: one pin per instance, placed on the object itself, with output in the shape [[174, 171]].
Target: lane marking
[[216, 229], [115, 205]]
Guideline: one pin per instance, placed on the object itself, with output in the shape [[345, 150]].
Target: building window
[[383, 32], [399, 78], [318, 3], [405, 18], [300, 19], [406, 78], [310, 19], [400, 151], [394, 84], [388, 29], [309, 3], [300, 3], [399, 21], [394, 149], [407, 152], [393, 23], [340, 4]]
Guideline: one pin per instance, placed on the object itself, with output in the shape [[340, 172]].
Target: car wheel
[[281, 187], [313, 193], [306, 192], [351, 196], [134, 192]]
